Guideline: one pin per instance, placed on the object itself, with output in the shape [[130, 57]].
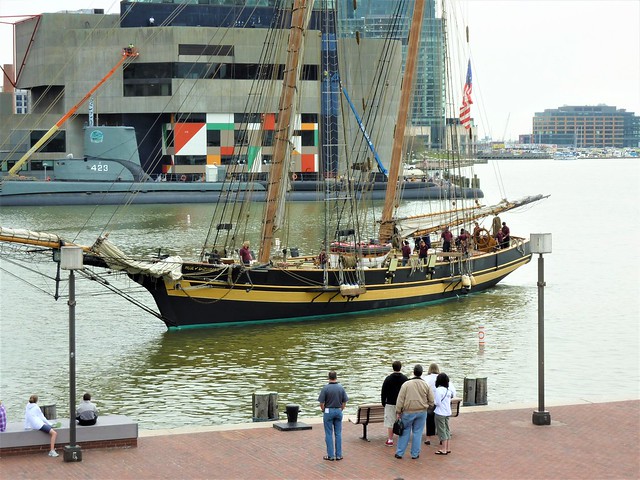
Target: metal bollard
[[292, 410]]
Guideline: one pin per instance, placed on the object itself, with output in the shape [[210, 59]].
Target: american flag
[[465, 109]]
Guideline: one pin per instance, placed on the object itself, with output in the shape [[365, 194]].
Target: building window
[[218, 50], [56, 144], [308, 138], [213, 138]]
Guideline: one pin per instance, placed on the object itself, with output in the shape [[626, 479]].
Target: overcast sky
[[526, 55]]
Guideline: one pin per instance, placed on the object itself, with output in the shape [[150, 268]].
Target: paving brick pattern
[[585, 441]]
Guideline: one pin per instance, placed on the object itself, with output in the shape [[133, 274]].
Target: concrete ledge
[[109, 432]]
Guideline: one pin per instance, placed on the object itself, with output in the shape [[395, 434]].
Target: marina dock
[[587, 440]]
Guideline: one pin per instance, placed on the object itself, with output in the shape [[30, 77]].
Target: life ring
[[294, 177], [183, 178]]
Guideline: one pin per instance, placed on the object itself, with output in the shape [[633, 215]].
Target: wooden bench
[[374, 413], [368, 413], [110, 431]]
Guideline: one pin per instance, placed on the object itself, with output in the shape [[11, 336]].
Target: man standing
[[333, 399], [389, 396], [506, 237], [446, 236], [414, 399], [406, 252]]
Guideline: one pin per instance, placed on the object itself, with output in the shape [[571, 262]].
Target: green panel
[[252, 153], [220, 126]]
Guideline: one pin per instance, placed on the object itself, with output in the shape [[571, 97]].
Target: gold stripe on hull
[[305, 294]]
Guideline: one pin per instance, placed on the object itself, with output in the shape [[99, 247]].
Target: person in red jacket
[[506, 238]]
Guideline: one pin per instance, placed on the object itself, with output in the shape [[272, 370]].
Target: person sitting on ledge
[[34, 419], [87, 413]]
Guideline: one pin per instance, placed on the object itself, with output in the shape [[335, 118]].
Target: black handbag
[[398, 427]]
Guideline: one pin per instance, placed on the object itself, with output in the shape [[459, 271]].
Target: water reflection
[[163, 379], [207, 376]]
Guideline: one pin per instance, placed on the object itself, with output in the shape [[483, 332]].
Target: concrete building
[[191, 94], [597, 126]]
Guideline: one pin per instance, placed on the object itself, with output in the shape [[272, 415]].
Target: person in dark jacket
[[389, 396]]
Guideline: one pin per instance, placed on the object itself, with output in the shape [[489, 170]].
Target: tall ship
[[361, 262]]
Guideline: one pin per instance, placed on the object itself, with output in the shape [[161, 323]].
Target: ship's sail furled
[[430, 223], [170, 267]]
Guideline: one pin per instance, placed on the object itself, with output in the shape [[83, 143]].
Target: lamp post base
[[541, 418], [72, 453]]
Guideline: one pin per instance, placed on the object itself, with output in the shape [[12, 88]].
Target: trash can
[[49, 411]]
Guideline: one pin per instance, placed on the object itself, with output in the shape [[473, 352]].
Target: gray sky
[[526, 55]]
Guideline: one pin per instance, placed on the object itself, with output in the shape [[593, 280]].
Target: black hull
[[265, 294]]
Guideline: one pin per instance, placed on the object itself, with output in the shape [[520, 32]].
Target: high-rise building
[[586, 126], [391, 19]]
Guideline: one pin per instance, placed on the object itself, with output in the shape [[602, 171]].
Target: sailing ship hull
[[213, 295]]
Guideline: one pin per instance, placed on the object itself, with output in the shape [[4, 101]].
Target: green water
[[133, 366]]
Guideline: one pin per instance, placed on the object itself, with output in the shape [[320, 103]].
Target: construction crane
[[129, 52]]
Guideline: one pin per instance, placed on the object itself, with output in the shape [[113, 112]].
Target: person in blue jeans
[[414, 399], [333, 399]]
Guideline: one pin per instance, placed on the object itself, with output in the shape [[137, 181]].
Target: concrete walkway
[[585, 441]]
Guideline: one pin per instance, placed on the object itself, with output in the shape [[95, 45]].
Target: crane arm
[[126, 53]]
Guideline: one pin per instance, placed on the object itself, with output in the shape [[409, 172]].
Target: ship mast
[[284, 126], [415, 32]]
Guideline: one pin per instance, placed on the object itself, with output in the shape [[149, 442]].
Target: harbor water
[[133, 366]]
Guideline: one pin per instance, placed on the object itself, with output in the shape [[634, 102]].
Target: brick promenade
[[585, 441]]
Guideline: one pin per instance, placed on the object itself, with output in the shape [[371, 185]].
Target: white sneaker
[[53, 453]]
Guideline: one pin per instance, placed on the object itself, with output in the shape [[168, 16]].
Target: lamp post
[[71, 259], [541, 243]]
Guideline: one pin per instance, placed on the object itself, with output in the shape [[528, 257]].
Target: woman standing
[[35, 420], [443, 395], [433, 372]]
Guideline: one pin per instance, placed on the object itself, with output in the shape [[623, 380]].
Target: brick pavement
[[585, 441]]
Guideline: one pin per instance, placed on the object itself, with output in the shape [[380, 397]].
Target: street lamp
[[71, 259], [541, 243]]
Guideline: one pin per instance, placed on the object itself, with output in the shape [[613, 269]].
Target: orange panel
[[308, 162], [269, 121], [214, 160], [226, 150], [308, 126]]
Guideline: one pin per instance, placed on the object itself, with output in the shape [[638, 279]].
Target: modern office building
[[586, 126], [391, 18]]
